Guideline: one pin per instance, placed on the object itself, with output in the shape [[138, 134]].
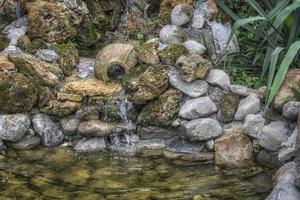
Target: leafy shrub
[[274, 38]]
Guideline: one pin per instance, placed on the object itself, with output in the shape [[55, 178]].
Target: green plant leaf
[[283, 68], [242, 22], [229, 12], [272, 68], [295, 29], [258, 9], [283, 15]]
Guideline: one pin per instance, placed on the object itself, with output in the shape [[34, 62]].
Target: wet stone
[[90, 145]]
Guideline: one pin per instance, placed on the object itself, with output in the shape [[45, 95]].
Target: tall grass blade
[[295, 28], [283, 68]]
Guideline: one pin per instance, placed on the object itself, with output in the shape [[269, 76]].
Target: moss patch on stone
[[171, 53]]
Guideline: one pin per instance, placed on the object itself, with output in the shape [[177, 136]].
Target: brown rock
[[6, 65], [285, 93], [94, 128], [148, 52], [227, 107], [233, 148], [17, 93], [60, 109], [69, 97], [91, 87]]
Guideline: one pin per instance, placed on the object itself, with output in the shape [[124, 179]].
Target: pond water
[[60, 173]]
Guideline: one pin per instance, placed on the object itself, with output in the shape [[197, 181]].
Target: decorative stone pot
[[115, 60]]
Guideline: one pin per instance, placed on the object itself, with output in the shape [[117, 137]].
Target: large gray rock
[[285, 188], [194, 89], [219, 78], [248, 105], [242, 90], [272, 135], [195, 108], [90, 145], [13, 127], [194, 47], [290, 147], [172, 34], [49, 132], [69, 125], [291, 110], [253, 124], [198, 20], [201, 129], [28, 142], [181, 14]]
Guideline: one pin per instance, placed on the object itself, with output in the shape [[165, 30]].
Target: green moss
[[68, 57], [3, 42], [171, 53], [87, 35], [161, 112]]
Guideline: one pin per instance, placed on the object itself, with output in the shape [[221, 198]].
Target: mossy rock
[[3, 42], [171, 53], [17, 93], [98, 16], [146, 83], [68, 57], [87, 35], [161, 112]]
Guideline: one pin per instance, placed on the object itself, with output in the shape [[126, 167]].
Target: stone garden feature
[[158, 97]]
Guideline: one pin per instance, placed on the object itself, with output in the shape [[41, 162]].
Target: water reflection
[[61, 174]]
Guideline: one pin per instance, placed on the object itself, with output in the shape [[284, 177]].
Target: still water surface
[[61, 174]]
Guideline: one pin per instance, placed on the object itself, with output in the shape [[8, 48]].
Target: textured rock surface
[[95, 128], [13, 87], [162, 111], [90, 145], [172, 34], [59, 108], [194, 89], [268, 159], [253, 124], [199, 107], [171, 53], [285, 188], [181, 14], [201, 129], [50, 133], [290, 147], [69, 125], [194, 47], [148, 52], [27, 142], [228, 107], [285, 93], [291, 110], [242, 90], [219, 78], [248, 105], [233, 148], [272, 135], [13, 127]]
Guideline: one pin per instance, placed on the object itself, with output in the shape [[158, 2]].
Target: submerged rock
[[285, 188], [13, 127], [181, 14], [17, 93], [170, 34], [114, 60], [248, 105], [202, 129], [199, 107], [50, 133], [90, 145], [233, 148], [194, 89], [27, 142], [162, 111]]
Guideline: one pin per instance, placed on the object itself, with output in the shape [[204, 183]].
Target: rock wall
[[172, 103]]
